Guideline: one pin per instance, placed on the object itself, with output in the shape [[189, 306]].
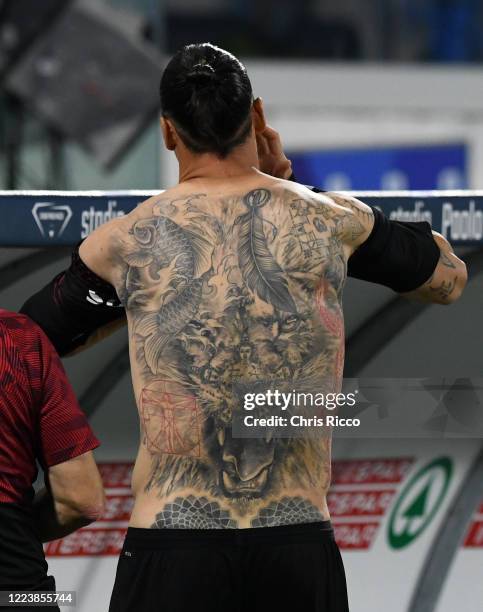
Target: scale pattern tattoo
[[287, 511], [193, 513], [222, 294]]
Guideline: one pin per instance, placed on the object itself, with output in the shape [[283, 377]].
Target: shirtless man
[[233, 276]]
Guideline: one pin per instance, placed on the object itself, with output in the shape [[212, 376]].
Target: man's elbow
[[93, 512], [93, 507], [84, 509]]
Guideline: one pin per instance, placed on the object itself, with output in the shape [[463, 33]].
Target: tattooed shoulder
[[361, 210]]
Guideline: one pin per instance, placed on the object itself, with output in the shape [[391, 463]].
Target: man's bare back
[[224, 285]]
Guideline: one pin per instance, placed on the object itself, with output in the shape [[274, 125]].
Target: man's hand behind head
[[272, 159]]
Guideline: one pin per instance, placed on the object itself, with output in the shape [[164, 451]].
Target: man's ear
[[170, 136], [258, 115]]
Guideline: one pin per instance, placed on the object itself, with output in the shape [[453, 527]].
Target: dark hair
[[206, 92]]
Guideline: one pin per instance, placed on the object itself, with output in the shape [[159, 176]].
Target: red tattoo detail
[[171, 420], [334, 323]]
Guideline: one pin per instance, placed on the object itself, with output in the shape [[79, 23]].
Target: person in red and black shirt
[[40, 422]]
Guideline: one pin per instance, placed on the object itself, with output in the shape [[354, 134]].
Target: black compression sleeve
[[73, 306], [399, 255]]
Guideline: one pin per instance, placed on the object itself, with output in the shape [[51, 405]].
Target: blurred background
[[363, 90], [367, 95]]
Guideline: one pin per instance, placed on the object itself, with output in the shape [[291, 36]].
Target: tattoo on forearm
[[445, 289], [446, 261]]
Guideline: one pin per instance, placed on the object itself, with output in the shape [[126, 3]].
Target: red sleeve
[[64, 430]]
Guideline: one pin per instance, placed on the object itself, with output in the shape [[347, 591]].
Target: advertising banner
[[466, 570], [64, 218], [386, 510]]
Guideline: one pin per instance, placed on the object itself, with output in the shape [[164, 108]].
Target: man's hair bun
[[202, 74]]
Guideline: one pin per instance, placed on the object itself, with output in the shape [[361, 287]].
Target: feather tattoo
[[260, 270]]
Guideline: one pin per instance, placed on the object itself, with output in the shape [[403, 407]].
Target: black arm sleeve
[[74, 305], [399, 255]]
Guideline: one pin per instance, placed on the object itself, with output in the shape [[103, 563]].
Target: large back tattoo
[[219, 292]]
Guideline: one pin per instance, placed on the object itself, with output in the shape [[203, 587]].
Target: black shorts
[[22, 560], [47, 585], [296, 567]]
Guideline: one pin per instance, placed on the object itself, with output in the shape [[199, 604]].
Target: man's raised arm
[[80, 305], [407, 257]]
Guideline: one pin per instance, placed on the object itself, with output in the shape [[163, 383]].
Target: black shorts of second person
[[22, 560], [47, 585], [272, 569]]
